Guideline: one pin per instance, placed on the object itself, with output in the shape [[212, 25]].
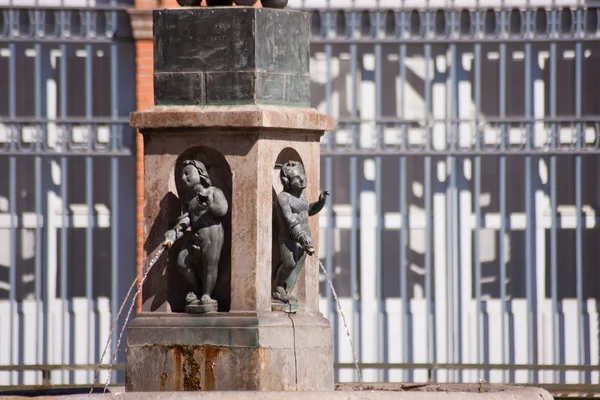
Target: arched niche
[[287, 154], [220, 176]]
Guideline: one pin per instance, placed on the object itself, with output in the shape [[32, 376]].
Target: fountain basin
[[369, 391]]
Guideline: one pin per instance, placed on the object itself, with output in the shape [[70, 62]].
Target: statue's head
[[292, 176], [194, 173]]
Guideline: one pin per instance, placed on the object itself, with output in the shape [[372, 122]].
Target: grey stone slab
[[297, 89], [282, 89], [231, 88], [175, 88], [231, 39], [283, 44], [204, 39], [201, 308], [244, 56], [270, 87]]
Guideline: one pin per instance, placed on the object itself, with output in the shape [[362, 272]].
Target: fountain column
[[232, 100]]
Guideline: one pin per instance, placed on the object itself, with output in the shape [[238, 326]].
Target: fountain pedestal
[[232, 90]]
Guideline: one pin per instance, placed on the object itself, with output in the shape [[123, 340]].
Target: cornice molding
[[141, 23]]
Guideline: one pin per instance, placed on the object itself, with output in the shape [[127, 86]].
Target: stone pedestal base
[[201, 308], [229, 351], [290, 307]]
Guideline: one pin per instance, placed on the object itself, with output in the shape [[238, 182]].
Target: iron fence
[[67, 189], [464, 179]]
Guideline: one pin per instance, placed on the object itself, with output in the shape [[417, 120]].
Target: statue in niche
[[294, 239], [202, 207]]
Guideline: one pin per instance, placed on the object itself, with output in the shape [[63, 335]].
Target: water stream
[[145, 272], [339, 307]]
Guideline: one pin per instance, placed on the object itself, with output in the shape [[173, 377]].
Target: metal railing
[[465, 188], [557, 390], [67, 194]]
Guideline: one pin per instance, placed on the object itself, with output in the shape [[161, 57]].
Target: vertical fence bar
[[114, 183], [430, 310], [382, 354], [553, 211], [89, 249], [449, 189], [38, 259], [12, 190], [502, 195], [354, 203], [15, 338], [41, 221], [66, 338], [477, 200], [406, 311], [354, 288], [89, 198], [381, 307], [554, 266], [114, 252], [581, 310], [453, 199], [530, 281], [64, 254], [329, 186]]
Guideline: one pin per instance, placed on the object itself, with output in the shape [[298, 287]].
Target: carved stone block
[[237, 55]]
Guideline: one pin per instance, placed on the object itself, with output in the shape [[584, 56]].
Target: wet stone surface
[[425, 387]]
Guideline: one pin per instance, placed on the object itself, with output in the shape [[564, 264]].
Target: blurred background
[[461, 236]]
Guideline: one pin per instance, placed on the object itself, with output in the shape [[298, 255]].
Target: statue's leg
[[287, 250], [185, 262], [212, 239]]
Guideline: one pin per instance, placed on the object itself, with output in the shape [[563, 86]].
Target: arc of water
[[339, 307], [153, 261], [112, 329], [114, 356]]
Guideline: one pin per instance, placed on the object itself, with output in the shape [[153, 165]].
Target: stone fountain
[[231, 166], [231, 153]]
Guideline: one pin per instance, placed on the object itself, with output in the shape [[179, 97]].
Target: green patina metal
[[233, 56]]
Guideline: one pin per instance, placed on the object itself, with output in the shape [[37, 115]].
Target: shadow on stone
[[169, 206]]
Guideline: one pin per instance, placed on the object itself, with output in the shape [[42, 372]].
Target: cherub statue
[[202, 206], [294, 234]]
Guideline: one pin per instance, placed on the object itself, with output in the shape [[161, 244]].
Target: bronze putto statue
[[294, 240], [202, 207]]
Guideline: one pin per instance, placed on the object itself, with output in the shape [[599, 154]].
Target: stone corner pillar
[[231, 88]]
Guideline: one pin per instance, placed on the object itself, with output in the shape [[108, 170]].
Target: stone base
[[291, 307], [201, 308], [229, 351]]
